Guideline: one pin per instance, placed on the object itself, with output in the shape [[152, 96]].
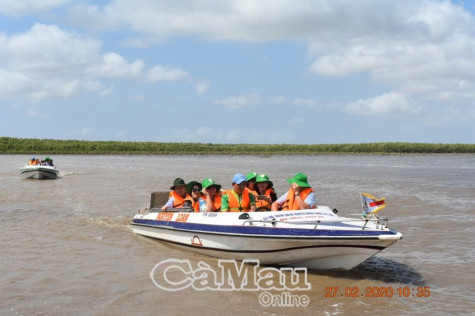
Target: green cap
[[209, 182], [177, 182], [47, 159], [190, 186], [264, 178], [300, 179], [251, 175]]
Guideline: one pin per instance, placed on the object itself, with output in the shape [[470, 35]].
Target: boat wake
[[378, 269], [67, 174]]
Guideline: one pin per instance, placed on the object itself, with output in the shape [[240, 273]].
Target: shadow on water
[[378, 269]]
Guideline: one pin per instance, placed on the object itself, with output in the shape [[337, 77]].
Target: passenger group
[[47, 161], [249, 193]]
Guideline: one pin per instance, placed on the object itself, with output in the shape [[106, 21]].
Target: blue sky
[[288, 71]]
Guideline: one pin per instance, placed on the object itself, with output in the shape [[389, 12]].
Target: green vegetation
[[10, 145]]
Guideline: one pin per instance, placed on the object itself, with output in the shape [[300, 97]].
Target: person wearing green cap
[[211, 199], [178, 197], [193, 188], [251, 182], [49, 162], [265, 193], [299, 197]]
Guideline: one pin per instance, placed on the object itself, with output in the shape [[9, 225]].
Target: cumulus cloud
[[47, 61], [425, 50], [387, 104], [50, 62], [160, 73], [239, 20], [25, 7], [113, 65], [241, 101], [93, 17], [413, 46], [421, 48]]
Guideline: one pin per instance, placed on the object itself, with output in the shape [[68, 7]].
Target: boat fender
[[335, 211]]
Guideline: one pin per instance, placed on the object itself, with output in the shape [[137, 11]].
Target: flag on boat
[[371, 205]]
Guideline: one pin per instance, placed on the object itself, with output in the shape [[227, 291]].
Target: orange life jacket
[[196, 205], [234, 205], [253, 192], [216, 202], [178, 201], [290, 202], [263, 205]]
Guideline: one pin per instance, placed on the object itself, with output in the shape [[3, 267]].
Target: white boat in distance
[[315, 238], [39, 172]]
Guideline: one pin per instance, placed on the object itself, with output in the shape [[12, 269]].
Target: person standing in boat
[[193, 189], [178, 197], [211, 199], [265, 193], [299, 197], [238, 199]]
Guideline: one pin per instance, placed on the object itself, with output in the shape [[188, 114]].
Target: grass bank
[[30, 146]]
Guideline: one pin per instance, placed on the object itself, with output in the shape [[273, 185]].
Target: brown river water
[[67, 247]]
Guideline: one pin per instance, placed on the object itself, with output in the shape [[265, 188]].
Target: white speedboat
[[39, 172], [315, 238]]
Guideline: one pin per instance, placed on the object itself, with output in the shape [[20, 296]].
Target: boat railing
[[380, 222], [172, 210]]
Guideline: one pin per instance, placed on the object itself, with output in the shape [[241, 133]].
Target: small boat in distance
[[315, 238], [40, 170]]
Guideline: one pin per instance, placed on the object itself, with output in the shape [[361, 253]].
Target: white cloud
[[93, 17], [25, 7], [425, 49], [237, 102], [392, 103], [160, 73], [202, 87], [49, 62], [113, 65], [414, 46], [46, 62], [310, 103]]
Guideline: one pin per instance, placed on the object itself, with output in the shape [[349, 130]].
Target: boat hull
[[39, 172], [285, 242]]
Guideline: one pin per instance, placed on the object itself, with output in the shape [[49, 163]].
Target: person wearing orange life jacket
[[32, 161], [238, 199], [299, 197], [212, 197], [193, 188], [265, 193], [178, 197], [251, 182]]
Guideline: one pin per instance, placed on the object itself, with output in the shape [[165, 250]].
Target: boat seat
[[158, 199]]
